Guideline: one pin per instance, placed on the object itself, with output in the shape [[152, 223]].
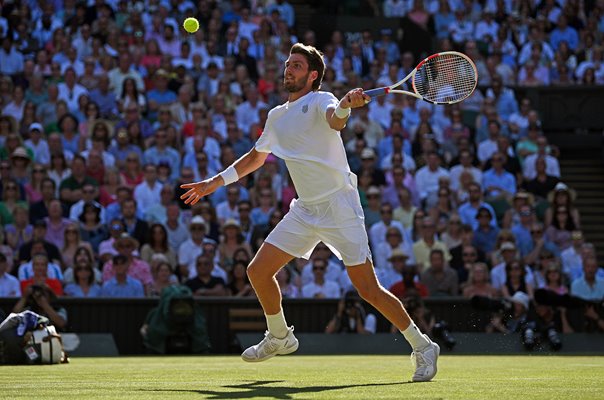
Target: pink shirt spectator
[[138, 270]]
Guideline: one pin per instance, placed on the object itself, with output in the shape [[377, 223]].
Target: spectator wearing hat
[[135, 226], [439, 279], [374, 201], [562, 196], [38, 144], [160, 95], [203, 283], [389, 273], [128, 246], [368, 165], [189, 250], [512, 215], [122, 283], [485, 235], [231, 240], [20, 161], [509, 255]]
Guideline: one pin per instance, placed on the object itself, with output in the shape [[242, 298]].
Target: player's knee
[[253, 271], [369, 292]]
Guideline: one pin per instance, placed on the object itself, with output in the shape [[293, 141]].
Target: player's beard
[[294, 85]]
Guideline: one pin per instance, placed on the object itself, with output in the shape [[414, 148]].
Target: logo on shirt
[[305, 108]]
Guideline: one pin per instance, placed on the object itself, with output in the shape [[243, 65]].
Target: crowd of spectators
[[108, 106]]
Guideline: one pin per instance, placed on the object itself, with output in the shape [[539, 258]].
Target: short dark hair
[[119, 259], [315, 61]]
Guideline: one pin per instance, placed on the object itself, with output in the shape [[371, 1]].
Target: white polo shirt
[[298, 132]]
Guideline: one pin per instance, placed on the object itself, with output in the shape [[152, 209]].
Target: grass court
[[307, 377]]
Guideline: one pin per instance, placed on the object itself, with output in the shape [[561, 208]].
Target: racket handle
[[377, 92]]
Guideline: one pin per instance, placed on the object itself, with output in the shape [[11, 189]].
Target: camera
[[441, 331], [554, 339], [37, 291], [528, 336]]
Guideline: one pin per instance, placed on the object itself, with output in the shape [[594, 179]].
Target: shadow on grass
[[258, 389]]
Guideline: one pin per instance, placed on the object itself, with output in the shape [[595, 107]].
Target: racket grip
[[377, 92]]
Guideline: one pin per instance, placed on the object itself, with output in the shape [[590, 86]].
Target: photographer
[[351, 317], [40, 299]]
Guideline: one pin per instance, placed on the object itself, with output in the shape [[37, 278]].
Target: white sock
[[415, 338], [277, 325]]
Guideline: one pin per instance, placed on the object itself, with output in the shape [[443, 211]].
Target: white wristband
[[229, 175], [342, 112]]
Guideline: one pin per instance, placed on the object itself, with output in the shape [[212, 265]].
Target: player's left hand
[[354, 99]]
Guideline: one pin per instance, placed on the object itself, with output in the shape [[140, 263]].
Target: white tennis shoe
[[424, 361], [271, 346]]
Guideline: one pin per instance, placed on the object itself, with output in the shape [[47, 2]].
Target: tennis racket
[[442, 78]]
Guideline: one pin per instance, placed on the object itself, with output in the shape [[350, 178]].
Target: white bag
[[47, 343]]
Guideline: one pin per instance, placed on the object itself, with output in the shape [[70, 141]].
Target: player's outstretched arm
[[248, 163], [337, 117]]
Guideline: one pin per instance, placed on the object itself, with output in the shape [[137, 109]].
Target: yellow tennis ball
[[191, 25]]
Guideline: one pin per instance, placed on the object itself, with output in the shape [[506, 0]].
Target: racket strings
[[445, 78]]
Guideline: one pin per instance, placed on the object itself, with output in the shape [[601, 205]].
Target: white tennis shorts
[[338, 222]]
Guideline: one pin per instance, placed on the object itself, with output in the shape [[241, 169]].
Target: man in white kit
[[304, 132]]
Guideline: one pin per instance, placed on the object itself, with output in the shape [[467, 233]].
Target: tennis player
[[305, 133]]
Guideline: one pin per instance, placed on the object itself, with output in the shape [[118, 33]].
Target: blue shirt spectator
[[129, 287], [564, 33], [286, 12], [75, 290], [497, 183], [469, 210], [11, 60]]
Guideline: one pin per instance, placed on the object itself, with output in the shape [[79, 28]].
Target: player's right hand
[[197, 190]]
